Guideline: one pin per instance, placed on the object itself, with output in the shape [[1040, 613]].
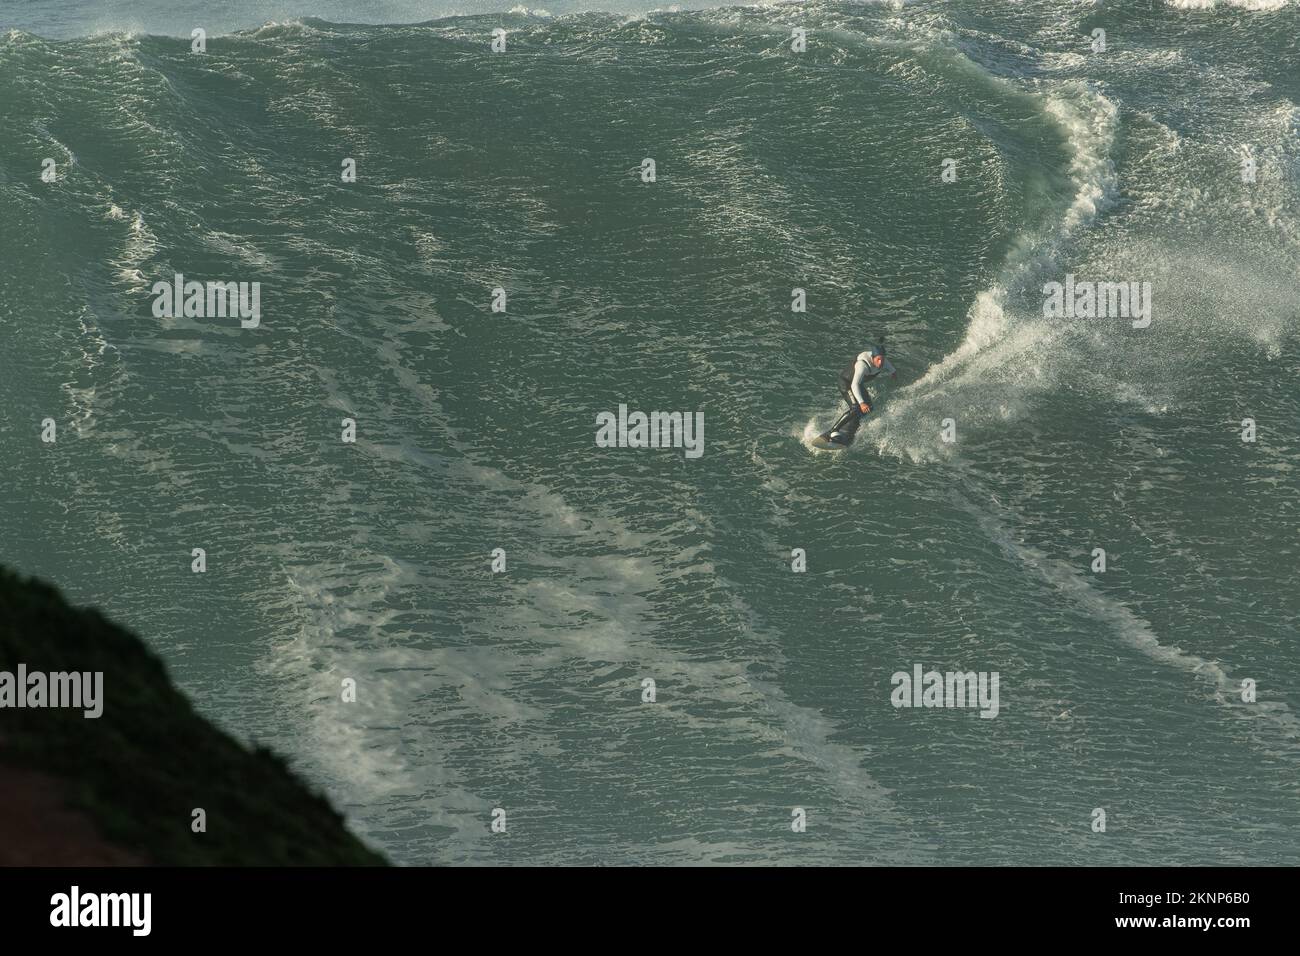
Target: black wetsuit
[[853, 386]]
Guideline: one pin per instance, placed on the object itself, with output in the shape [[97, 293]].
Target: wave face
[[475, 429]]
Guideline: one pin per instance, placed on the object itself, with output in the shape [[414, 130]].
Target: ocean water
[[523, 690]]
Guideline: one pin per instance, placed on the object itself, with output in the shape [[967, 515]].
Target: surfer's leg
[[846, 390], [846, 426], [851, 420], [848, 400], [847, 423]]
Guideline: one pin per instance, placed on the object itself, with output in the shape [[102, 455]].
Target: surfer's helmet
[[877, 355]]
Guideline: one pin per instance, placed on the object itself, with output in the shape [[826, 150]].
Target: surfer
[[853, 386]]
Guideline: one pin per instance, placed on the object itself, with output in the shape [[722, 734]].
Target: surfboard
[[824, 442]]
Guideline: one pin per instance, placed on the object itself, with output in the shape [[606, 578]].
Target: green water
[[476, 429]]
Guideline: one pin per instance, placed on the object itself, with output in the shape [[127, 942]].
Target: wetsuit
[[853, 386]]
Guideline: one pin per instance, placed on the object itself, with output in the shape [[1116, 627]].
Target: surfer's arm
[[859, 376], [889, 367]]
